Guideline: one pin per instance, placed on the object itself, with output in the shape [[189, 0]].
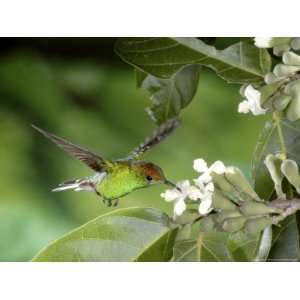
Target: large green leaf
[[207, 246], [278, 136], [285, 246], [170, 96], [250, 248], [162, 57], [133, 234]]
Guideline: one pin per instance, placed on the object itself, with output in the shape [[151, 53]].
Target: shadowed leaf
[[133, 234]]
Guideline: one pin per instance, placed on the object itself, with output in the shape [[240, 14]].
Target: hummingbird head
[[154, 174]]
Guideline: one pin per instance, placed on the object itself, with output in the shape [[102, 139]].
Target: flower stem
[[277, 120]]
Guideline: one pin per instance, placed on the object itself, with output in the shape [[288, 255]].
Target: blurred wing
[[89, 158], [157, 136]]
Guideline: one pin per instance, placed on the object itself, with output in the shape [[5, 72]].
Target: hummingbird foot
[[107, 202], [115, 202], [110, 202]]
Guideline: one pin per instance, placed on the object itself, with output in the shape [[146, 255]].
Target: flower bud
[[282, 70], [238, 180], [234, 224], [253, 208], [293, 110], [291, 171], [280, 49], [273, 164], [281, 101], [268, 42], [254, 226], [291, 58], [225, 214], [295, 43], [219, 201], [270, 78]]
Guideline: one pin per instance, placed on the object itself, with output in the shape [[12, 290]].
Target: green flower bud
[[280, 49], [295, 43], [293, 110], [238, 180], [291, 58], [220, 181], [291, 171], [270, 78], [281, 101], [282, 70], [219, 201], [254, 226], [253, 208], [225, 214], [273, 164], [234, 224]]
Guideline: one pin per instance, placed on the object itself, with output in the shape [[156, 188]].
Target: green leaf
[[162, 57], [170, 96], [207, 246], [245, 247], [285, 246], [133, 234]]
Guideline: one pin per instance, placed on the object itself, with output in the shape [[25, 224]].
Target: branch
[[288, 207]]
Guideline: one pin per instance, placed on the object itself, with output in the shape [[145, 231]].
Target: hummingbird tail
[[83, 184], [76, 185]]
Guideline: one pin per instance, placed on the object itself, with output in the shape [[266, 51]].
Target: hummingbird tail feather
[[83, 184], [76, 185]]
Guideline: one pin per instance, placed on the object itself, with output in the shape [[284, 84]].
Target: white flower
[[201, 166], [179, 196], [206, 191], [252, 102]]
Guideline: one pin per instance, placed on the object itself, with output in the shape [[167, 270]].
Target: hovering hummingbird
[[116, 178]]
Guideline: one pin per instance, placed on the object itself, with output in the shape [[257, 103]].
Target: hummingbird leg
[[107, 202], [116, 202]]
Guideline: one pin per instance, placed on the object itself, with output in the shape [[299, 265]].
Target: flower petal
[[210, 187], [179, 207], [194, 193], [252, 94], [218, 167], [244, 107], [171, 195], [205, 206], [200, 165]]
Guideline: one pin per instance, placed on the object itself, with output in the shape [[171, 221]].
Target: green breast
[[122, 179]]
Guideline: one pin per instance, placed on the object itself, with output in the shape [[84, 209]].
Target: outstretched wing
[[157, 136], [89, 158]]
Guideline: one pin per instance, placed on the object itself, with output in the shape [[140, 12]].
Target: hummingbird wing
[[92, 160], [156, 137]]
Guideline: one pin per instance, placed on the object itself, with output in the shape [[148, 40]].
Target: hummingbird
[[114, 179]]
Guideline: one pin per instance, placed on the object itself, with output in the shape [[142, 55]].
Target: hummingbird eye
[[149, 178]]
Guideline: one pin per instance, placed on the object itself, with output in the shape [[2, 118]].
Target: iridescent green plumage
[[114, 179]]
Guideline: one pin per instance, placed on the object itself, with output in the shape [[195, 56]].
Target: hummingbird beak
[[172, 184]]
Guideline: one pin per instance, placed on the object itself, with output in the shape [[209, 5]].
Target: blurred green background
[[79, 89]]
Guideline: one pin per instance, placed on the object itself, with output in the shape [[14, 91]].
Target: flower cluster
[[279, 44], [201, 192], [281, 91]]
